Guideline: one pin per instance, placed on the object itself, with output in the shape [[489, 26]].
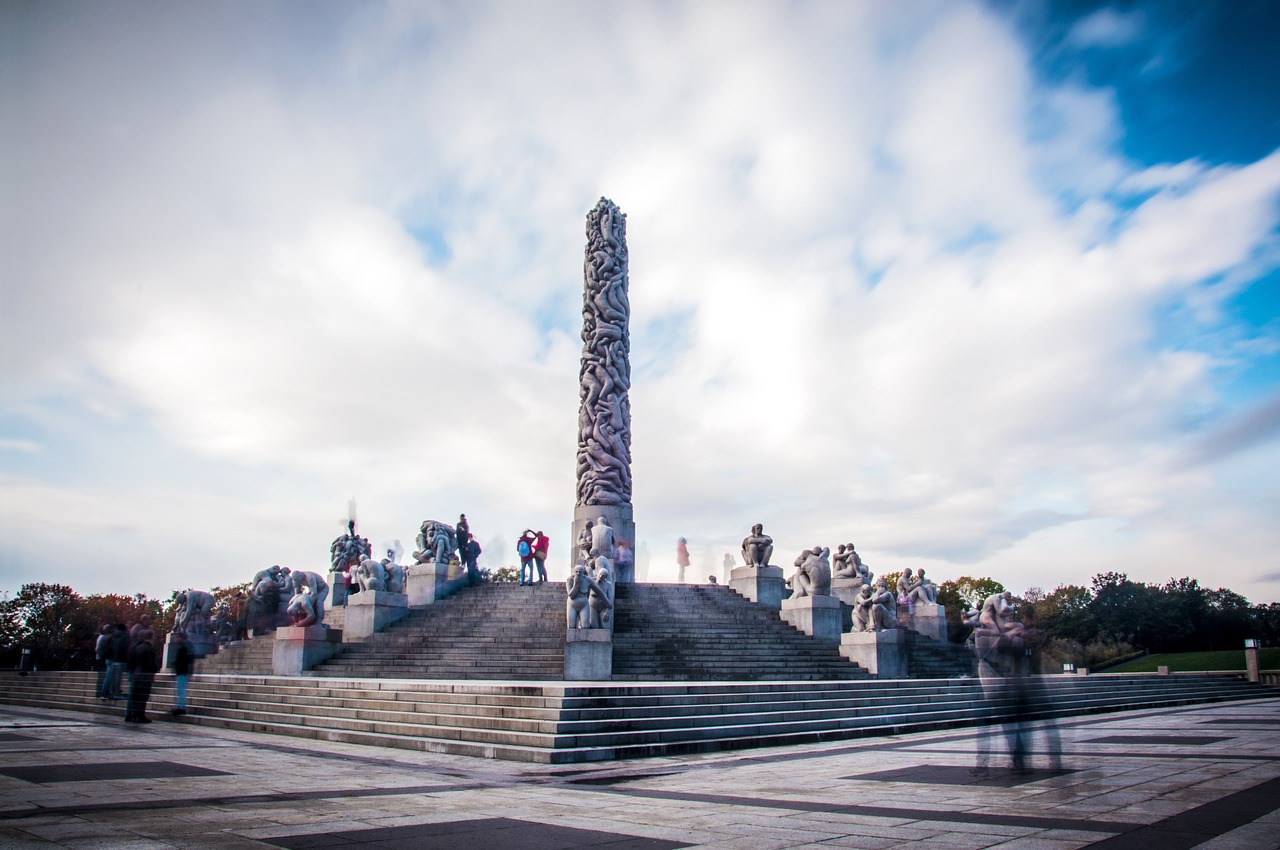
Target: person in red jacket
[[540, 547]]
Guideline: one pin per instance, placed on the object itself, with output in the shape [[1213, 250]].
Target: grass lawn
[[1198, 662]]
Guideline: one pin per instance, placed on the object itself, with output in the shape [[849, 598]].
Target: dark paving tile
[[616, 778], [1184, 740], [1243, 721], [14, 736], [477, 834], [1195, 826], [933, 774], [98, 772]]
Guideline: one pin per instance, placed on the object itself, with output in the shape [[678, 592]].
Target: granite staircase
[[563, 722], [495, 631], [929, 659], [689, 632]]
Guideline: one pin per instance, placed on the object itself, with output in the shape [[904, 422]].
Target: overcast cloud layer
[[890, 285]]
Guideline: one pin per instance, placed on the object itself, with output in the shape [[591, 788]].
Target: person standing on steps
[[541, 545], [682, 558], [181, 673], [472, 552], [524, 548], [142, 672], [464, 537]]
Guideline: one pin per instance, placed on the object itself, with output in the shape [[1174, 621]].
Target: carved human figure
[[578, 588], [847, 564], [997, 614], [194, 608], [347, 551], [583, 543], [875, 608], [906, 584], [437, 543], [602, 542], [923, 590], [302, 608], [319, 591], [757, 547], [371, 575], [600, 599], [813, 573]]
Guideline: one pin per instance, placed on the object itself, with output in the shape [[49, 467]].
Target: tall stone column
[[604, 416]]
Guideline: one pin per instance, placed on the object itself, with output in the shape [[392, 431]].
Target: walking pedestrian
[[101, 651]]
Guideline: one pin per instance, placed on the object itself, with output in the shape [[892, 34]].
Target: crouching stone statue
[[813, 574], [875, 608]]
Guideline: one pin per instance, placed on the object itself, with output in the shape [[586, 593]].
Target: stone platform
[[79, 781]]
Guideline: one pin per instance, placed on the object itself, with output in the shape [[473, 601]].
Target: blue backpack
[[523, 548]]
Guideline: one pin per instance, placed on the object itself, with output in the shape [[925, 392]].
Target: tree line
[[1111, 618]]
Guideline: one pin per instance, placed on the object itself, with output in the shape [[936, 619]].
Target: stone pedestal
[[816, 616], [209, 648], [337, 588], [883, 654], [846, 590], [762, 585], [925, 619], [299, 648], [588, 655], [430, 582], [371, 611], [620, 520]]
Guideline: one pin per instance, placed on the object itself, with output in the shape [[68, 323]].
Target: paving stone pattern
[[235, 790]]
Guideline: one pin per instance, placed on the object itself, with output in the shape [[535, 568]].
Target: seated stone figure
[[813, 574], [922, 590], [847, 565], [757, 547], [318, 589], [371, 575], [906, 583], [875, 609], [395, 572]]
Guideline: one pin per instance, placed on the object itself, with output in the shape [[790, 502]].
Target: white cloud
[[882, 288]]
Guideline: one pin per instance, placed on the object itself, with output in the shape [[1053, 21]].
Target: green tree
[[506, 574], [958, 594], [47, 619], [1066, 614]]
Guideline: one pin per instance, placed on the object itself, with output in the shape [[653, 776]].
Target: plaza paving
[[1200, 776]]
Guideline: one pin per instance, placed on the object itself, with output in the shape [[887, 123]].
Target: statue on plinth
[[348, 550], [583, 543], [317, 590], [395, 572], [813, 574], [602, 543], [906, 583], [921, 590], [271, 590], [875, 608], [757, 547], [194, 608], [437, 543], [371, 575], [847, 564]]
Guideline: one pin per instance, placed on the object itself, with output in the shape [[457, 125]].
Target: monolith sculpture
[[604, 417]]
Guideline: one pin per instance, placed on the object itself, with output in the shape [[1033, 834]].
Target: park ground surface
[[1202, 776], [1224, 660]]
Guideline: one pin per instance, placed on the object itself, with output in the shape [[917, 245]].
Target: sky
[[989, 289]]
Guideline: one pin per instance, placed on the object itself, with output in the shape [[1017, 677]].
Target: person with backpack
[[524, 548]]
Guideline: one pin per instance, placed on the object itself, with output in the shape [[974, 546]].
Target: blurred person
[[524, 548], [682, 558], [118, 657], [182, 664], [473, 552], [142, 673], [101, 662]]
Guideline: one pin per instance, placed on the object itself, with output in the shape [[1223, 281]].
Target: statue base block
[[883, 654], [762, 585], [588, 655], [299, 648], [816, 616], [431, 582], [337, 588], [206, 648], [847, 590], [926, 619], [371, 611]]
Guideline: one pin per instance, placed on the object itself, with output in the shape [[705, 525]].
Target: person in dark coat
[[473, 572], [118, 656], [142, 670]]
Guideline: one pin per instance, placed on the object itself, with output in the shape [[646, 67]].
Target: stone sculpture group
[[590, 586]]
